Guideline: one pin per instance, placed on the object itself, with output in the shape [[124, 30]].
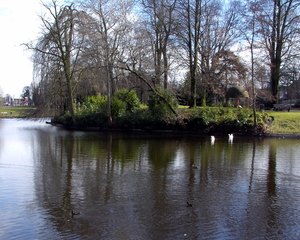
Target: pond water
[[137, 185]]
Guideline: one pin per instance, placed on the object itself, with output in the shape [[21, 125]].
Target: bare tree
[[249, 31], [227, 70], [141, 52], [279, 20], [189, 33], [162, 24], [290, 82], [59, 48], [110, 26], [206, 28], [217, 62]]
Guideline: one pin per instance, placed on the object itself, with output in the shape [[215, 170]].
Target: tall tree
[[206, 28], [59, 48], [189, 33], [162, 24], [249, 30], [26, 94], [227, 70], [110, 27], [279, 21], [218, 34]]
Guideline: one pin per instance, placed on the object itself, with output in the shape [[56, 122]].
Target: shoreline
[[99, 129], [106, 129]]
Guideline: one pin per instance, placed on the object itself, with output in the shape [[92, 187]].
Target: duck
[[75, 213], [189, 204], [194, 167]]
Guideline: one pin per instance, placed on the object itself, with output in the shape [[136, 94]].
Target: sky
[[19, 23]]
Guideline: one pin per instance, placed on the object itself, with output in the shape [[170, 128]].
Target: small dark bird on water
[[75, 213], [194, 167], [189, 204]]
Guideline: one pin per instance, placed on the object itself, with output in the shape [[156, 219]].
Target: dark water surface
[[137, 185]]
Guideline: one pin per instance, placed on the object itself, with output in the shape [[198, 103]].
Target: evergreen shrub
[[157, 107]]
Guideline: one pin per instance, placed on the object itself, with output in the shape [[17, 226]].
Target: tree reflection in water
[[137, 185]]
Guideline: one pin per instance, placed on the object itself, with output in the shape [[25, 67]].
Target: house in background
[[8, 100], [18, 102], [11, 101]]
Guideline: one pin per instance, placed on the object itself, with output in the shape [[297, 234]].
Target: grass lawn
[[285, 122], [14, 111]]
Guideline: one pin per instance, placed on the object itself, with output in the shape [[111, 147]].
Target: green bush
[[118, 107], [157, 107], [91, 120], [137, 119], [92, 104], [221, 119], [90, 113], [65, 119], [129, 98], [94, 100], [124, 101], [128, 113]]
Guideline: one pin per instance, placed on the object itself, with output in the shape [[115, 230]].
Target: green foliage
[[128, 113], [91, 120], [200, 117], [221, 120], [100, 100], [90, 113], [65, 119], [262, 117], [91, 105], [138, 119], [93, 111], [118, 107], [158, 107], [129, 98], [124, 101]]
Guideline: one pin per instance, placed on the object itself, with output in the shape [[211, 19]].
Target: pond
[[145, 185]]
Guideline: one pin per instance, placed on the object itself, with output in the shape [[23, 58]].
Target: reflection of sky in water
[[15, 142], [290, 160], [17, 179], [143, 185]]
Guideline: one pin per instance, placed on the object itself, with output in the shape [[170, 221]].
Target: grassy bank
[[14, 111], [210, 119], [285, 122], [205, 120], [202, 120]]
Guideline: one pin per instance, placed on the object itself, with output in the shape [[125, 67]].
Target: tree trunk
[[281, 27], [166, 68], [275, 78], [67, 38]]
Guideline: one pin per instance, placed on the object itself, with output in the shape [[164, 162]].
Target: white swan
[[230, 137], [212, 140]]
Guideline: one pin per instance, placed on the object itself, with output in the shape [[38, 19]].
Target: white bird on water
[[212, 140], [230, 137]]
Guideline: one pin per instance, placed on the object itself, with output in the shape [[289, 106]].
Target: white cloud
[[19, 23]]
